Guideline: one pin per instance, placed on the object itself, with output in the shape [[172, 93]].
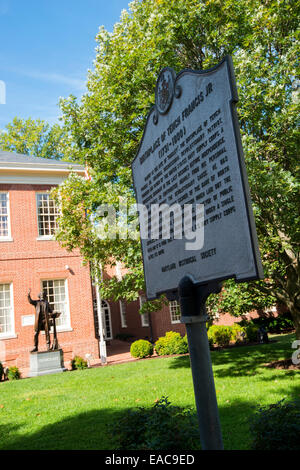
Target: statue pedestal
[[46, 362]]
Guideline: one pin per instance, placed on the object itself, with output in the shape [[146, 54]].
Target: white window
[[47, 213], [57, 296], [106, 318], [123, 313], [174, 311], [145, 316], [4, 216], [6, 310]]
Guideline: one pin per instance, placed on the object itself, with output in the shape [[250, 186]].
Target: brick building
[[31, 258]]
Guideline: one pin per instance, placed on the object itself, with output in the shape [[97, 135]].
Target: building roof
[[17, 159], [20, 168]]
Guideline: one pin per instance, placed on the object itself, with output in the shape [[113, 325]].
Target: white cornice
[[20, 173]]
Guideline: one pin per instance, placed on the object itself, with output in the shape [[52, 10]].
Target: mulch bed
[[283, 364]]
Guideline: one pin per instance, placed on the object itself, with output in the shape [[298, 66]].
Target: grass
[[71, 410]]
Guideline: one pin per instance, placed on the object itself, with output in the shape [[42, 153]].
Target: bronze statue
[[42, 320], [53, 316]]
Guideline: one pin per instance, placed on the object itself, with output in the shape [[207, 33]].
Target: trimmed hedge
[[13, 373], [141, 348], [78, 363], [221, 335], [171, 343]]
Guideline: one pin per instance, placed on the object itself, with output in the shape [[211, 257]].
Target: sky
[[46, 48]]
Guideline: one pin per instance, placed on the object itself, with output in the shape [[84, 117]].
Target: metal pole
[[102, 343], [192, 303]]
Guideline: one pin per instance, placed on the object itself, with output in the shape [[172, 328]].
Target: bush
[[251, 332], [161, 427], [141, 348], [281, 323], [13, 373], [276, 427], [238, 333], [171, 343], [78, 363], [219, 335], [1, 371]]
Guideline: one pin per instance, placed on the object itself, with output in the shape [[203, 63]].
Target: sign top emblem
[[164, 91]]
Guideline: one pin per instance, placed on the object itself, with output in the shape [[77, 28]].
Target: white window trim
[[67, 326], [144, 316], [173, 321], [123, 313], [12, 333], [107, 307], [41, 237], [7, 238]]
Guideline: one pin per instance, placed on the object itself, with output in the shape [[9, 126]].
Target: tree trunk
[[295, 313]]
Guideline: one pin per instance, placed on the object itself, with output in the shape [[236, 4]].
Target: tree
[[36, 138], [107, 125]]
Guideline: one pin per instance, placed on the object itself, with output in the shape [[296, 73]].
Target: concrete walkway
[[117, 352]]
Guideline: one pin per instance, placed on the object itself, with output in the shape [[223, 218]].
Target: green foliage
[[272, 323], [171, 343], [1, 371], [105, 128], [238, 333], [219, 335], [276, 426], [161, 427], [251, 332], [141, 348], [13, 373], [78, 363], [36, 138]]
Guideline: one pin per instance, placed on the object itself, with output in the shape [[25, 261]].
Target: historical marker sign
[[191, 156]]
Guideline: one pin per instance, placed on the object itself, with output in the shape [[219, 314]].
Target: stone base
[[46, 362]]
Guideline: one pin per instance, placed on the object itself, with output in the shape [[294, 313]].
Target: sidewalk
[[117, 352]]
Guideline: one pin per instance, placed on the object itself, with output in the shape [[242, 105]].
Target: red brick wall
[[161, 322], [25, 262]]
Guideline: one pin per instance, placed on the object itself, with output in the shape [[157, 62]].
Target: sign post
[[196, 222], [192, 303]]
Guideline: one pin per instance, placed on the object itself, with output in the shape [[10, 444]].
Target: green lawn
[[71, 410]]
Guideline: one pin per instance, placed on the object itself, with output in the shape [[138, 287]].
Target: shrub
[[141, 348], [171, 343], [238, 333], [78, 363], [186, 344], [276, 427], [281, 323], [13, 373], [251, 332], [1, 371], [219, 335], [161, 427]]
